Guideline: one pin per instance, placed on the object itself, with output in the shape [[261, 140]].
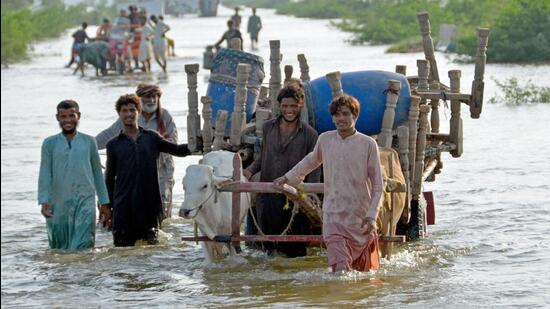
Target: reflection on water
[[490, 245]]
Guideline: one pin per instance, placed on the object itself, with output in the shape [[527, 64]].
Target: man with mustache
[[70, 175], [286, 140], [132, 177], [156, 118], [353, 188]]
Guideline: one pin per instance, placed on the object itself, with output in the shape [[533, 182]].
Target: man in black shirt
[[80, 36], [132, 179], [230, 34]]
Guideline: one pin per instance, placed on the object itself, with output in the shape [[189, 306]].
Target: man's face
[[68, 119], [290, 109], [149, 103], [128, 114], [344, 119]]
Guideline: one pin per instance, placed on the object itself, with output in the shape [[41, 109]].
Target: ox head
[[200, 187]]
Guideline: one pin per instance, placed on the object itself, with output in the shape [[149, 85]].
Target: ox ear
[[220, 181]]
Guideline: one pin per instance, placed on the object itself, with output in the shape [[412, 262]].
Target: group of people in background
[[233, 30], [133, 36]]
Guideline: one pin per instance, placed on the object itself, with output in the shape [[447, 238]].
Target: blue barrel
[[369, 88], [223, 81]]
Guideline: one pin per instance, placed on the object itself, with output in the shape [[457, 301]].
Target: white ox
[[210, 208]]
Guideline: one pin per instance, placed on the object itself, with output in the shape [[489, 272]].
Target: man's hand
[[281, 180], [370, 226], [105, 216], [247, 174], [46, 211]]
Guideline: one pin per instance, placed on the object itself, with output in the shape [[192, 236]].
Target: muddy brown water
[[490, 245]]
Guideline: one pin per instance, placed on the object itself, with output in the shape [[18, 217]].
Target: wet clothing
[[70, 176], [145, 47], [165, 161], [278, 157], [80, 36], [254, 26], [353, 188], [159, 41], [230, 34], [133, 182]]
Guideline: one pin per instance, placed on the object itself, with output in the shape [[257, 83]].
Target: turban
[[148, 90]]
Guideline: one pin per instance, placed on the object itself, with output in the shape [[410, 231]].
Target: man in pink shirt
[[353, 188]]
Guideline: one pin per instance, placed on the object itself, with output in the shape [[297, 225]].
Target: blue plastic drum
[[369, 88], [223, 81]]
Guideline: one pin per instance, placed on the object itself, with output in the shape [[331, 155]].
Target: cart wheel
[[416, 227]]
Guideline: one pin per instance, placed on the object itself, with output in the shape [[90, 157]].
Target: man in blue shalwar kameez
[[70, 176]]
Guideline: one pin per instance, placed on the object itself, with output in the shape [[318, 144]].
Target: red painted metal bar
[[236, 199], [279, 238]]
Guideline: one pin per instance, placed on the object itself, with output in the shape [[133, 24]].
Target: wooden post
[[236, 44], [334, 80], [238, 118], [420, 148], [413, 130], [392, 95], [427, 43], [263, 92], [455, 126], [193, 119], [262, 114], [401, 69], [478, 85], [423, 71], [219, 133], [236, 199], [304, 68], [288, 73], [434, 103], [403, 139], [275, 78], [207, 127]]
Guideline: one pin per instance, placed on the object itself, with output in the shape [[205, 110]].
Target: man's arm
[[314, 176], [217, 44], [171, 148], [256, 166], [99, 182], [110, 173], [106, 135], [46, 175], [171, 130], [304, 167], [374, 173]]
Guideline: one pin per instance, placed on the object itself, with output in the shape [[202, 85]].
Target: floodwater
[[490, 245]]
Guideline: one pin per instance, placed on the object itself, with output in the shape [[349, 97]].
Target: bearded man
[[70, 175], [152, 117]]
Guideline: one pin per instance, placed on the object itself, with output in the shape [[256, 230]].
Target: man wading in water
[[132, 177], [353, 188]]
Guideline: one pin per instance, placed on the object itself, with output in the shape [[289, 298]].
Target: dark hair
[[230, 22], [67, 104], [127, 99], [294, 91], [84, 25], [152, 17], [105, 20], [344, 100], [161, 17]]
